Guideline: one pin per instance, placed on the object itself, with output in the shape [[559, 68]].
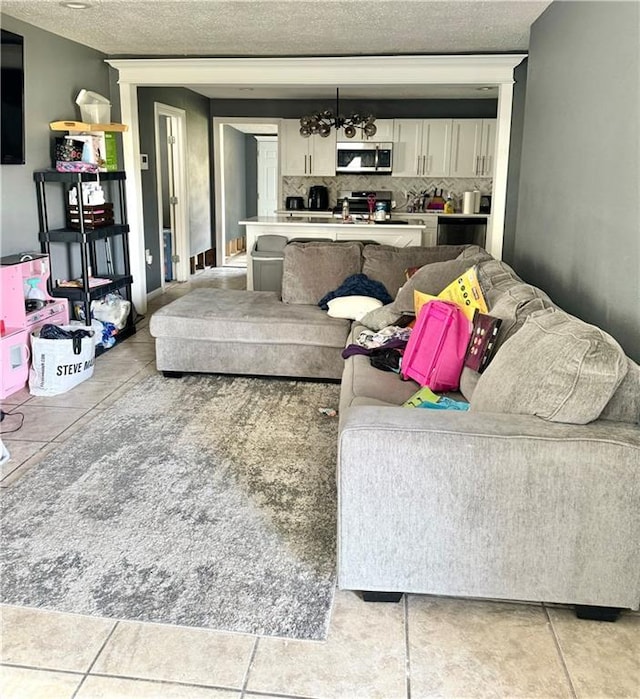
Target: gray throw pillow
[[311, 270], [430, 279], [513, 304], [624, 405], [476, 252], [388, 264], [556, 367], [381, 317]]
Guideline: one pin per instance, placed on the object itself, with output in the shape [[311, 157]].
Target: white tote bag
[[59, 365]]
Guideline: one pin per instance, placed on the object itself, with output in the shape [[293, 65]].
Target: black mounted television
[[12, 89]]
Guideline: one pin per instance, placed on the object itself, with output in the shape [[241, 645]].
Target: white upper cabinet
[[306, 156], [384, 131], [473, 147], [422, 147], [383, 134]]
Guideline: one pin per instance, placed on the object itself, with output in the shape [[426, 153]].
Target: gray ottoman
[[226, 331]]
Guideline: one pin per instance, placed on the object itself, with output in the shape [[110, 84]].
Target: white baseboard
[[152, 294]]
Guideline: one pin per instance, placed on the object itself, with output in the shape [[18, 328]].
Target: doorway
[[172, 195], [246, 181]]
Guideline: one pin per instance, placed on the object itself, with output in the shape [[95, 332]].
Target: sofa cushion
[[352, 307], [495, 276], [388, 264], [311, 270], [513, 305], [431, 279], [246, 317], [556, 367], [624, 405], [475, 251], [381, 317]]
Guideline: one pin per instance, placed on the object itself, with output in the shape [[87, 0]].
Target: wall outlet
[[148, 257], [144, 161]]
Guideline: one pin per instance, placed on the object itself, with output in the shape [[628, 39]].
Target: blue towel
[[357, 285]]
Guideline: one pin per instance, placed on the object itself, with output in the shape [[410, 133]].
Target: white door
[[267, 175], [173, 211]]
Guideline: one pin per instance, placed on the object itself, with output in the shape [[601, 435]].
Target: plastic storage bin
[[267, 257], [94, 108]]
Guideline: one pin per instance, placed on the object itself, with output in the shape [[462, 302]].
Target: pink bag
[[435, 353]]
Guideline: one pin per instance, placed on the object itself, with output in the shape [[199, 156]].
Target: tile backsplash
[[403, 188]]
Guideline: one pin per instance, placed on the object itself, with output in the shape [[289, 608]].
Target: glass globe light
[[356, 118], [304, 131], [327, 114], [370, 129], [324, 130], [305, 121], [350, 131]]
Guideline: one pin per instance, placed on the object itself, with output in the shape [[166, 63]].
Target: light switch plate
[[144, 161]]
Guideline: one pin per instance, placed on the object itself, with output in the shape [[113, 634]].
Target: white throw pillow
[[352, 307]]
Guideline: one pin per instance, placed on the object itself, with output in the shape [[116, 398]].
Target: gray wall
[[198, 171], [578, 223], [251, 175], [55, 71], [235, 178], [389, 109], [515, 156]]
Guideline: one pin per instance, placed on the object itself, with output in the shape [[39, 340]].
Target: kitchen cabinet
[[384, 133], [422, 147], [306, 156], [97, 254], [473, 147]]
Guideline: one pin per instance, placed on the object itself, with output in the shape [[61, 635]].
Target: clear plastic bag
[[111, 309]]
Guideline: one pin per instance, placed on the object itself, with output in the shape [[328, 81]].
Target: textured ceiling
[[286, 27], [249, 28]]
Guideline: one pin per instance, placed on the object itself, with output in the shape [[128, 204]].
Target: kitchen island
[[329, 228]]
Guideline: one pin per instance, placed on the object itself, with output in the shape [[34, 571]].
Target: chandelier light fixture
[[321, 122]]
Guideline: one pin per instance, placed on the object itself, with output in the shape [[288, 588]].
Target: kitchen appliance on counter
[[485, 204], [364, 157], [359, 203], [318, 198], [294, 203]]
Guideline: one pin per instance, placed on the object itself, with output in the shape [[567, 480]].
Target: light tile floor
[[423, 647]]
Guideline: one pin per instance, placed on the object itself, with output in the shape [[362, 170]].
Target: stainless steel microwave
[[364, 156]]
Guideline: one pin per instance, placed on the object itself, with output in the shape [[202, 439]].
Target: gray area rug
[[205, 501]]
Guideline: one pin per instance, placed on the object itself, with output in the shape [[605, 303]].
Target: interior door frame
[[218, 169], [475, 69], [178, 118]]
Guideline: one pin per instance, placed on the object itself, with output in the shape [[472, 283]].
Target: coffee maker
[[318, 198]]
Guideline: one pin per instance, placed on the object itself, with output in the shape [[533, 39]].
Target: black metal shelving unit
[[118, 271]]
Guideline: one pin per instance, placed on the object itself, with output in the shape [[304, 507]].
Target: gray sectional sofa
[[533, 494]]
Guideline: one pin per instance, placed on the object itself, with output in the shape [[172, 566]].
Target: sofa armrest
[[489, 505]]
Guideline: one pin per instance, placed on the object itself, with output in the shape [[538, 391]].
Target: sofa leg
[[172, 374], [381, 596], [584, 611]]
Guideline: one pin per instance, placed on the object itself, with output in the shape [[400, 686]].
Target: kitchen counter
[[401, 215], [328, 228]]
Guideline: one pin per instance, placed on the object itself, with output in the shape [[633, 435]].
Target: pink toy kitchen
[[25, 306]]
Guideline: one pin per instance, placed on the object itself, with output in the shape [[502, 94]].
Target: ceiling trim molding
[[490, 69]]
